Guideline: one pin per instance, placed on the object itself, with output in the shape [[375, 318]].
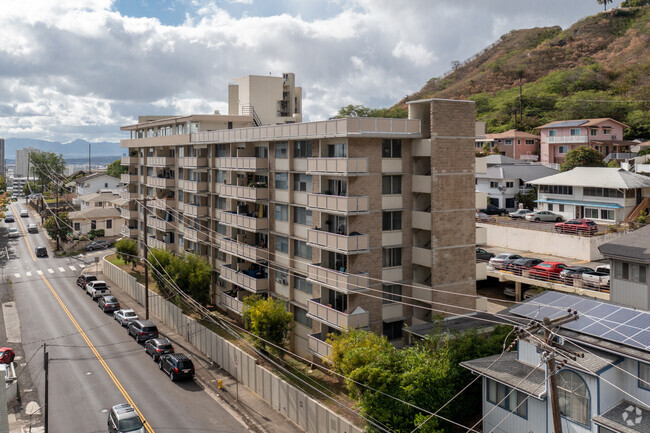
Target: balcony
[[160, 224], [129, 160], [340, 243], [338, 166], [245, 193], [243, 280], [129, 178], [192, 186], [194, 235], [128, 214], [160, 245], [421, 184], [567, 139], [338, 319], [245, 251], [194, 210], [318, 346], [422, 292], [231, 303], [248, 163], [422, 257], [160, 182], [193, 162], [244, 222], [132, 195], [129, 232], [421, 220], [339, 281], [336, 204], [163, 203], [159, 161]]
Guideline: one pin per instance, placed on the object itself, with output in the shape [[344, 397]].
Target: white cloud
[[417, 54]]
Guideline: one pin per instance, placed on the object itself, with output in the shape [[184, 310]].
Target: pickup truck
[[596, 280], [96, 289], [493, 210]]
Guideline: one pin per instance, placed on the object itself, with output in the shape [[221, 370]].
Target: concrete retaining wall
[[297, 406], [542, 242]]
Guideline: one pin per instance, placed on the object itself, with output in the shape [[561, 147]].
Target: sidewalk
[[249, 409]]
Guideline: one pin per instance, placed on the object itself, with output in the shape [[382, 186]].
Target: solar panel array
[[567, 123], [596, 318]]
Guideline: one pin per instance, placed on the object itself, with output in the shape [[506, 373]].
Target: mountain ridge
[[74, 149]]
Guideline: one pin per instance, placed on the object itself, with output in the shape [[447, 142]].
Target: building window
[[282, 150], [391, 185], [302, 149], [550, 206], [77, 226], [220, 203], [603, 192], [607, 214], [530, 142], [220, 228], [494, 184], [282, 276], [573, 396], [552, 133], [300, 283], [510, 184], [93, 225], [391, 148], [300, 316], [507, 398], [607, 131], [593, 132], [563, 149], [560, 208], [181, 241], [391, 221], [281, 244], [508, 142], [301, 249], [392, 293], [109, 224], [391, 257], [393, 330], [591, 213], [575, 131], [301, 216], [282, 212], [302, 182], [261, 152], [556, 189], [644, 376], [281, 181]]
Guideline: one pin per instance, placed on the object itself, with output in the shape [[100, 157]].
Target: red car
[[6, 355], [547, 270], [577, 227]]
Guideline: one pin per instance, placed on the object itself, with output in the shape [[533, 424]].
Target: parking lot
[[531, 225]]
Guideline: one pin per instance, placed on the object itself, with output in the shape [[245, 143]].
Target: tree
[[48, 166], [192, 274], [127, 250], [116, 168], [159, 261], [582, 156], [527, 199], [269, 320], [29, 188], [363, 111], [635, 3], [58, 226], [604, 3], [3, 183]]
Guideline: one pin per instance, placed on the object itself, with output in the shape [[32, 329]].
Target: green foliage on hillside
[[582, 156]]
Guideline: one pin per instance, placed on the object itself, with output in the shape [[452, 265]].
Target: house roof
[[626, 417], [91, 176], [579, 122], [525, 172], [99, 196], [513, 133], [603, 177], [634, 246], [500, 159], [95, 212]]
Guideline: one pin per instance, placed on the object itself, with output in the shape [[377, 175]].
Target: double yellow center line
[[85, 337]]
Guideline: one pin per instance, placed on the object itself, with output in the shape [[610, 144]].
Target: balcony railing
[[338, 166], [338, 319], [129, 160], [244, 222], [337, 280], [248, 252], [318, 346], [192, 162], [163, 203], [339, 243], [159, 224], [155, 243], [129, 178], [193, 209], [132, 195], [338, 204], [248, 163], [160, 182], [245, 193], [194, 235], [231, 303], [160, 161], [128, 214], [192, 186], [243, 280], [567, 139]]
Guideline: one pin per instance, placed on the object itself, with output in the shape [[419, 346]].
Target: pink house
[[513, 144], [558, 138]]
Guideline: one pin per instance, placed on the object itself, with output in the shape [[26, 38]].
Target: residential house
[[95, 182], [605, 195], [559, 137], [98, 212], [607, 390], [513, 144], [506, 177]]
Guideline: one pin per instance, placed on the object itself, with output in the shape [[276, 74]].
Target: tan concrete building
[[355, 223]]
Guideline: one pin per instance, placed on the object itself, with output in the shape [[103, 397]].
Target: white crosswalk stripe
[[72, 268], [39, 272], [17, 275], [61, 269], [51, 271], [29, 274]]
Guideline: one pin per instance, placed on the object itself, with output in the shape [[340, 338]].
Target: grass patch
[[116, 261]]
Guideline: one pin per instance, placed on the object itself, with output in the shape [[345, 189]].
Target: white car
[[97, 289], [543, 215], [124, 317], [13, 232], [24, 213]]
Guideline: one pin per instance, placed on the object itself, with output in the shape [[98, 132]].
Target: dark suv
[[177, 366], [82, 280], [142, 330], [157, 347]]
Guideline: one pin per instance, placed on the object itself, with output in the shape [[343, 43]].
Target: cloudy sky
[[82, 68]]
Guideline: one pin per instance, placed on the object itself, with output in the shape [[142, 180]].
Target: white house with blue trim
[[603, 194], [606, 391]]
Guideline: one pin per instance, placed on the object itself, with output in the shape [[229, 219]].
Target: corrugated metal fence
[[306, 412]]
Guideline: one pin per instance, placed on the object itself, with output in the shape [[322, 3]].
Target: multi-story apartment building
[[3, 163], [355, 223], [513, 144], [22, 161]]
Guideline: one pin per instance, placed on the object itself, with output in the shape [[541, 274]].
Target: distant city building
[[22, 161], [17, 184], [3, 165]]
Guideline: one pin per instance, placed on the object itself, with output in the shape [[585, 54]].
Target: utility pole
[[89, 159], [521, 107], [46, 366], [146, 263], [550, 350], [56, 216]]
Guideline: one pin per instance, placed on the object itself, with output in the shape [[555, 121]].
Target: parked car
[[483, 217], [501, 261], [543, 215], [84, 279], [41, 251], [510, 291], [547, 270], [9, 218], [518, 266], [108, 303], [142, 330], [520, 213], [493, 210], [13, 232], [24, 213], [32, 228], [7, 355], [123, 418], [598, 280], [532, 292], [176, 365], [571, 273], [98, 245], [577, 227], [124, 317], [603, 268], [97, 288], [158, 346], [483, 255]]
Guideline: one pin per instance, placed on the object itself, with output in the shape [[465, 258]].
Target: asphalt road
[[93, 363]]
